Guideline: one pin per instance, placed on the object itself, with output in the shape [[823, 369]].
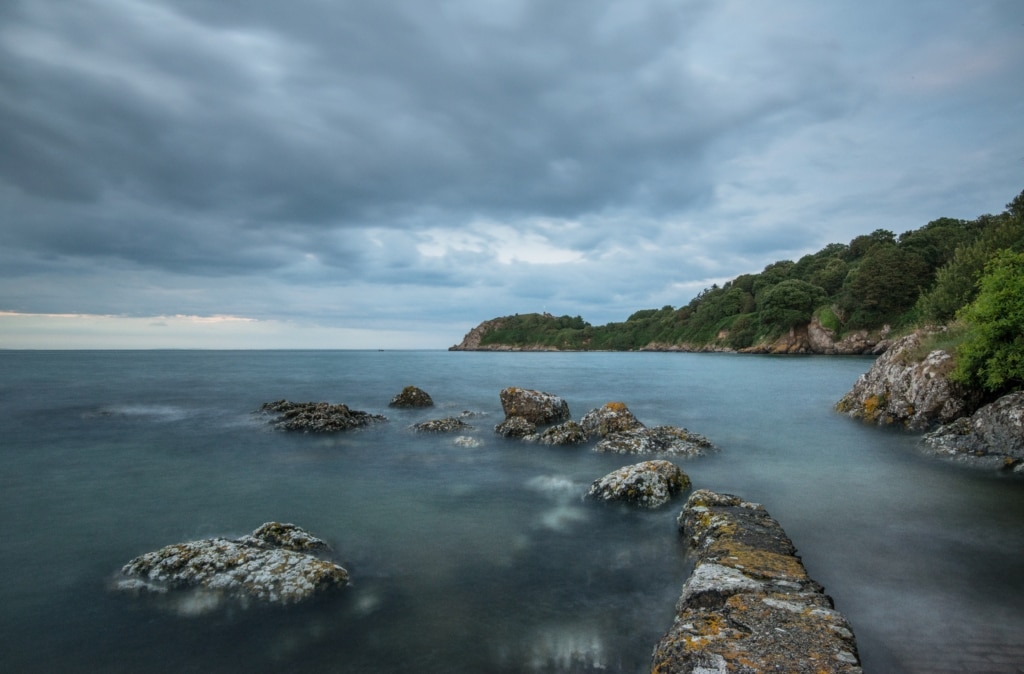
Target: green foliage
[[928, 274], [992, 355], [789, 303]]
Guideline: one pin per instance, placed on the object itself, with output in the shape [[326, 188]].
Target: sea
[[470, 552]]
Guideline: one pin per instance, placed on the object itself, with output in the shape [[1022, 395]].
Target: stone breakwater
[[749, 605]]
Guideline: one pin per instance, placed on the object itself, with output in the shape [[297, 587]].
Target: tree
[[992, 355], [789, 303]]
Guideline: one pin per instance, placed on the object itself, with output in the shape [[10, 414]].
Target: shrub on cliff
[[992, 355]]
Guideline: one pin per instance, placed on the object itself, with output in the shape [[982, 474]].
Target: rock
[[412, 397], [317, 417], [749, 605], [649, 484], [278, 564], [612, 417], [535, 406], [446, 425], [659, 440], [516, 427], [901, 390], [568, 433], [994, 435]]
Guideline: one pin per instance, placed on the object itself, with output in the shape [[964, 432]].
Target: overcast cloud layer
[[355, 174]]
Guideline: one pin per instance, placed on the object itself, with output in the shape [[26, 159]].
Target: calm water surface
[[481, 559]]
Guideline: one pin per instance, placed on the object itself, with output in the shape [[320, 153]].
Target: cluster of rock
[[278, 564], [613, 425], [749, 605], [318, 417], [902, 389]]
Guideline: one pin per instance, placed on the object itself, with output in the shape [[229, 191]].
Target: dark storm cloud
[[477, 156]]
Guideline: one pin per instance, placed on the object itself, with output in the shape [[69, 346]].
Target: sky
[[366, 174]]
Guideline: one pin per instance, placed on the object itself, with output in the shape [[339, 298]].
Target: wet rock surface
[[749, 605], [278, 564], [568, 433], [412, 396], [901, 390], [317, 417], [516, 427], [446, 425], [658, 440], [649, 484], [537, 407], [993, 436]]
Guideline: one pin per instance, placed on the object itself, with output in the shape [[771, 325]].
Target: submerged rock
[[278, 564], [446, 425], [516, 427], [649, 484], [749, 605], [412, 396], [314, 417], [994, 435], [902, 390], [536, 407], [658, 440], [568, 433]]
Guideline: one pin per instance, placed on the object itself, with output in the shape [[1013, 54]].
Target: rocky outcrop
[[446, 425], [568, 433], [902, 390], [650, 484], [516, 427], [536, 407], [993, 436], [412, 396], [278, 564], [621, 432], [749, 605], [316, 417]]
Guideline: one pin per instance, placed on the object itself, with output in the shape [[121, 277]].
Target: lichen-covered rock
[[568, 433], [412, 396], [901, 390], [612, 417], [317, 417], [749, 605], [278, 564], [658, 440], [516, 427], [649, 484], [993, 436], [446, 425], [535, 406]]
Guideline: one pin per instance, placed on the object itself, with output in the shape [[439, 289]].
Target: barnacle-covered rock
[[649, 484], [536, 407], [412, 396], [314, 417], [278, 564], [446, 425]]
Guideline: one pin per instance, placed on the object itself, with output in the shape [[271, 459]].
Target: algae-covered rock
[[537, 407], [749, 605], [412, 396], [278, 564], [318, 417], [900, 389], [650, 484], [612, 417]]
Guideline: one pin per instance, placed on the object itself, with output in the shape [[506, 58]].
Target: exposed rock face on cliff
[[650, 484], [992, 436], [411, 396], [277, 564], [749, 605], [317, 417], [900, 390]]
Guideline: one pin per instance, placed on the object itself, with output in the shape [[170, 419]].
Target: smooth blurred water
[[467, 559]]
